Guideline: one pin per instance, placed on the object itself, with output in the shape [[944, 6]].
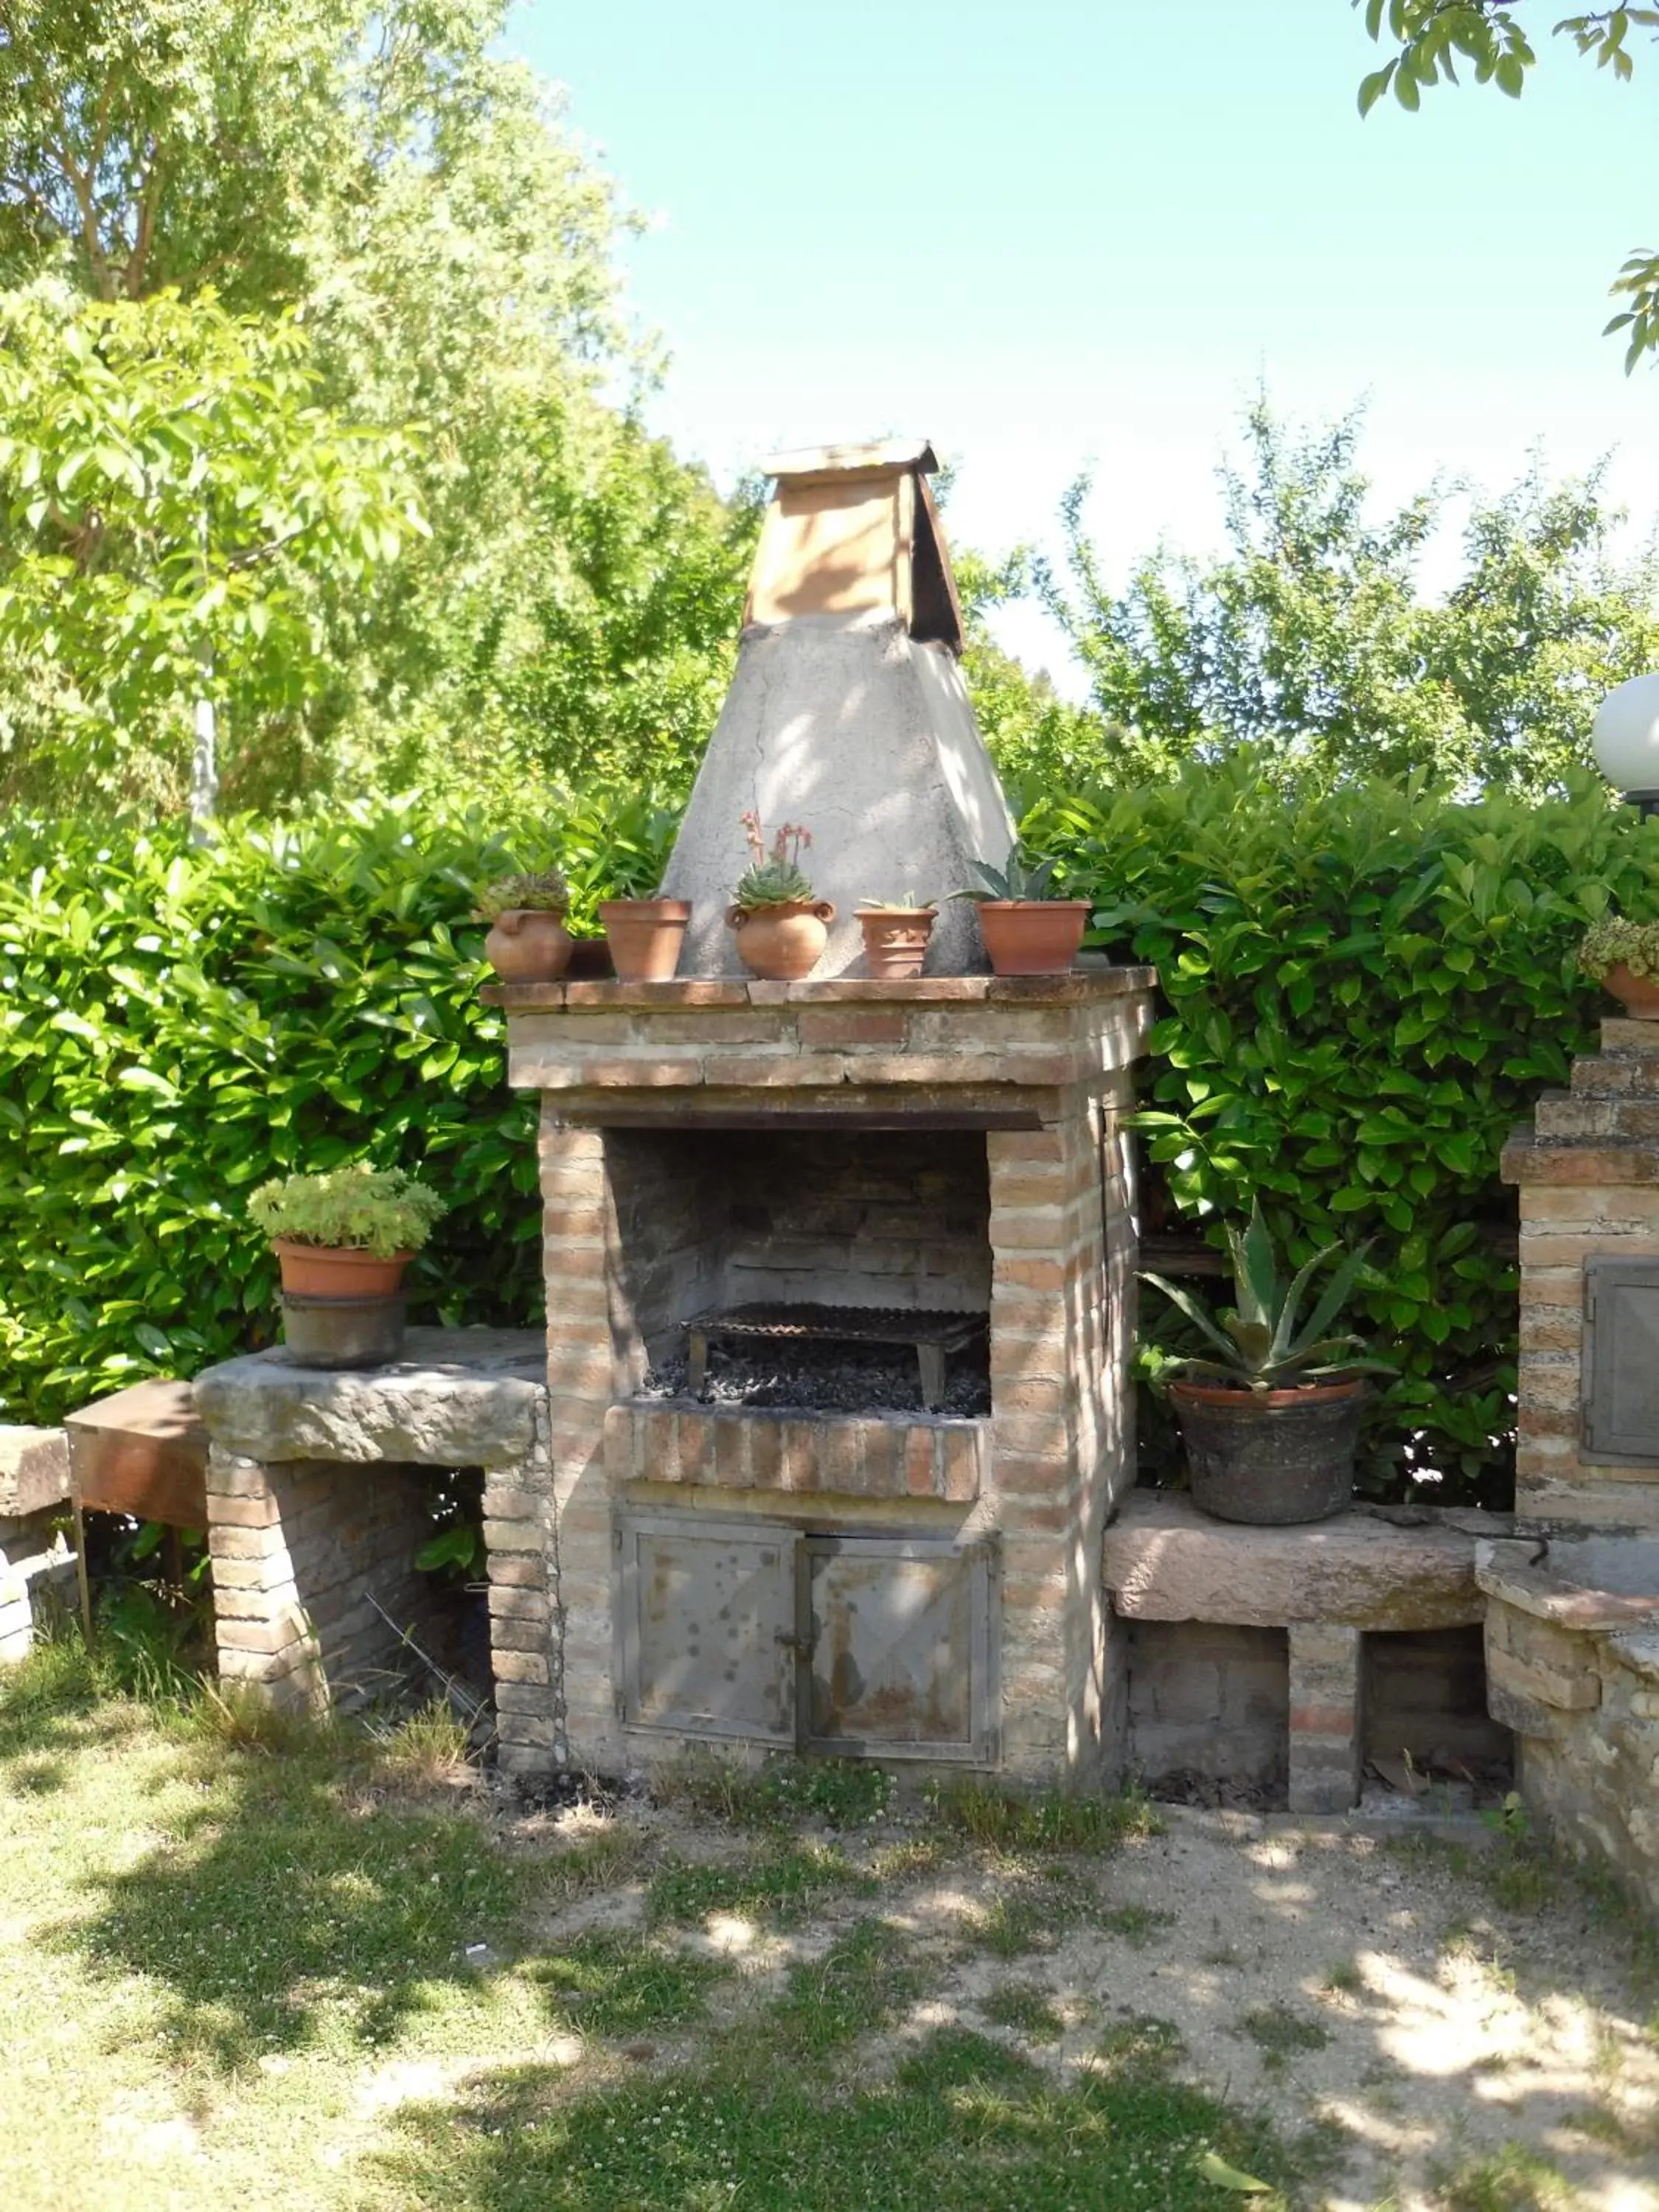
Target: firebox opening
[[713, 1225]]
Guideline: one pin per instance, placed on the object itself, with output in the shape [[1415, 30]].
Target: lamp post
[[1627, 741]]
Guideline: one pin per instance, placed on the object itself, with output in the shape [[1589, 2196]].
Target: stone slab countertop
[[34, 1470], [1164, 1560], [1091, 979], [1594, 1585], [459, 1397]]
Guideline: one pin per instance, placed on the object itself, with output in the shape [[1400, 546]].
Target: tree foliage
[[1311, 640], [1432, 36], [175, 493], [416, 200]]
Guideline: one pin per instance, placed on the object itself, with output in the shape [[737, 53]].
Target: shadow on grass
[[964, 2125]]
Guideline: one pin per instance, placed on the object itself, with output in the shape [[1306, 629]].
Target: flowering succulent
[[1613, 942], [774, 878], [384, 1210], [543, 891]]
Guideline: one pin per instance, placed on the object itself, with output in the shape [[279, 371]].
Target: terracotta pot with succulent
[[896, 934], [1272, 1429], [528, 942], [781, 928], [341, 1241], [1027, 930], [1624, 958]]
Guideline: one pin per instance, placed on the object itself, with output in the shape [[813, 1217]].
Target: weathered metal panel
[[1620, 1379], [901, 1646], [706, 1630]]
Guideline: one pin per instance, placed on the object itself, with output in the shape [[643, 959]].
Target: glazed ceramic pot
[[527, 945], [1637, 995], [645, 936], [337, 1271], [782, 943], [1032, 936], [895, 938]]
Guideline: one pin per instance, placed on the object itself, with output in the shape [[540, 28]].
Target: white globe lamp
[[1626, 741]]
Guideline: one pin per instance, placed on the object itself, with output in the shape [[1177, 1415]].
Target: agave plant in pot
[[1270, 1417], [342, 1240], [1624, 958], [528, 942], [1027, 930], [781, 928]]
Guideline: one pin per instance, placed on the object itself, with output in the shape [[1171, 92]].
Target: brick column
[[578, 1239], [526, 1624], [1325, 1718]]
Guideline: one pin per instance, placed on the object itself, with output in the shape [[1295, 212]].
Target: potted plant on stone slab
[[896, 934], [343, 1240], [1624, 958], [1027, 930], [1270, 1418], [528, 942], [780, 926]]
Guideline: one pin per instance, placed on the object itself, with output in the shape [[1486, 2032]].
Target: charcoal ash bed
[[814, 1375]]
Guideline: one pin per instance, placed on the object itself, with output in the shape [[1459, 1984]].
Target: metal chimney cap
[[885, 457]]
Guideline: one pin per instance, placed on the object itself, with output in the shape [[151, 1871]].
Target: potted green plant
[[342, 1240], [781, 928], [1624, 958], [1271, 1421], [644, 936], [528, 942], [1027, 930], [896, 934]]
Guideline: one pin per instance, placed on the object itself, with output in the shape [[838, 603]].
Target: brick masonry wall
[[1588, 1176], [1424, 1691], [1208, 1699]]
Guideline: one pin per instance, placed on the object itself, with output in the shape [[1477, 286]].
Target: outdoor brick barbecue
[[899, 1582]]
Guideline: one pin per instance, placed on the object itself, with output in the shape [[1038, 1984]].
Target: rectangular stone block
[[1574, 1691]]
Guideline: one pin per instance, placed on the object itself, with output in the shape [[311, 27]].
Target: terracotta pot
[[645, 936], [337, 1271], [1270, 1457], [782, 943], [895, 938], [1032, 936], [1638, 994], [526, 944], [333, 1332]]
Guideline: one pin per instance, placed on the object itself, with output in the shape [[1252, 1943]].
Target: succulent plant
[[379, 1210], [774, 878], [1613, 942], [1024, 877], [542, 891], [1258, 1344]]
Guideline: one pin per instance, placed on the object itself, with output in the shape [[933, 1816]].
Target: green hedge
[[1363, 991], [178, 1024]]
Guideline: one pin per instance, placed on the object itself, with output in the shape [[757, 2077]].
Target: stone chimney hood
[[847, 713]]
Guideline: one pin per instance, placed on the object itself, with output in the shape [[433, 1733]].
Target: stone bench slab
[[459, 1397], [1164, 1560]]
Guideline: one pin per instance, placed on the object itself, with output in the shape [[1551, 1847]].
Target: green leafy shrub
[[1364, 989], [179, 1025], [359, 1208]]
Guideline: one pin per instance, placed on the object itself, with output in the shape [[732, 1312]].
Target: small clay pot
[[1638, 994], [783, 942], [895, 938], [1032, 936], [645, 936], [337, 1271], [527, 945]]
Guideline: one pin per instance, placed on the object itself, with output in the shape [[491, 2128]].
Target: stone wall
[[37, 1567], [1425, 1692], [1208, 1699]]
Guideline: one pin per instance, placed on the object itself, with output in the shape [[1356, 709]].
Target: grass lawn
[[323, 1974]]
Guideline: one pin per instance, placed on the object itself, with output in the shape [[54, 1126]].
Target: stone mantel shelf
[[1164, 1560], [459, 1397], [688, 994]]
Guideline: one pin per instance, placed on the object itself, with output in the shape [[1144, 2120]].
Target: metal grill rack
[[933, 1335]]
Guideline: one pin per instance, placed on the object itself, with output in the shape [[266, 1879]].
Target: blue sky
[[1068, 235]]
